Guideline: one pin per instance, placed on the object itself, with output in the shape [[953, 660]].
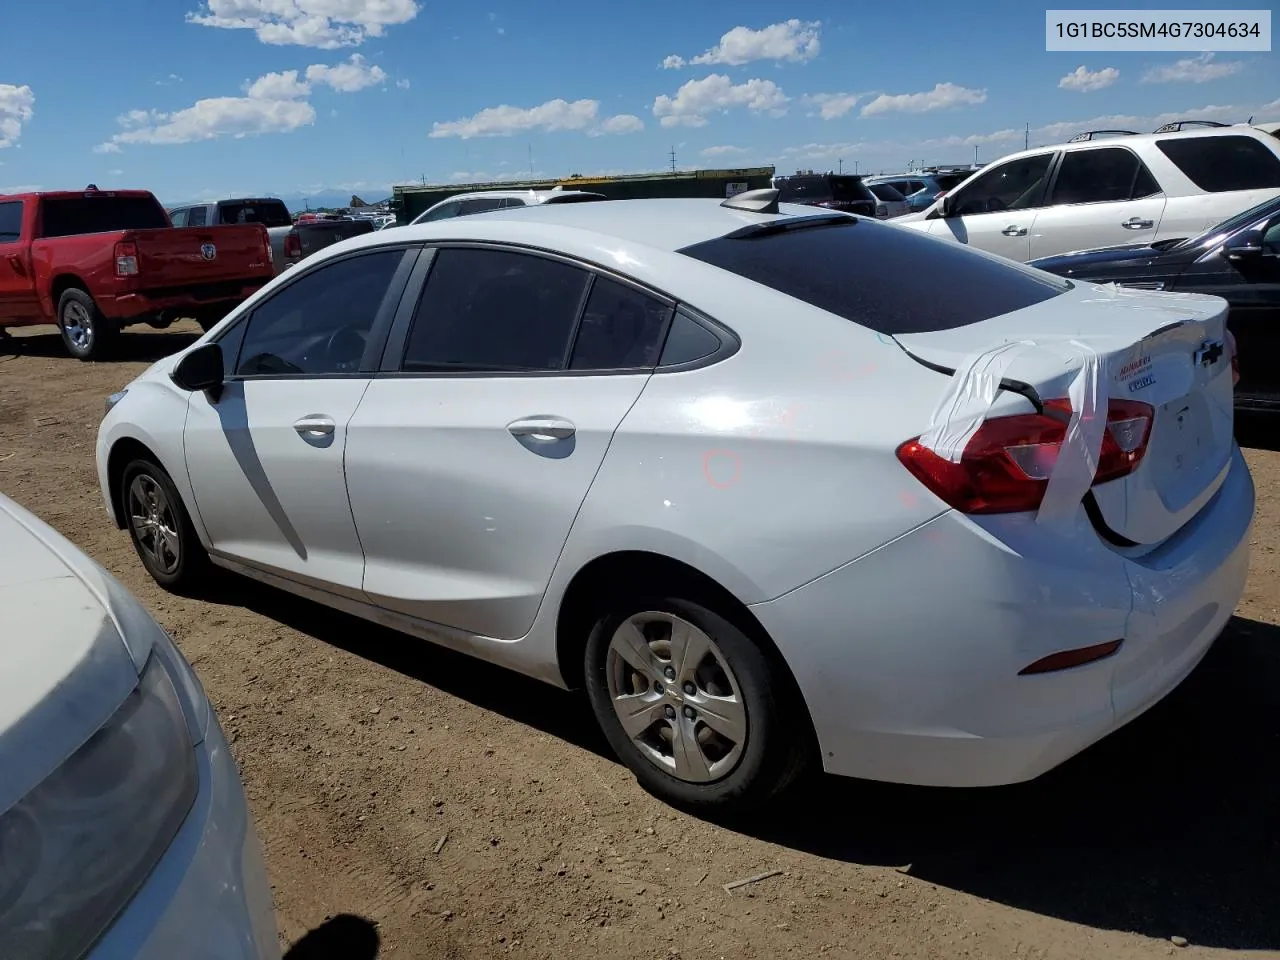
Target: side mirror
[[201, 369], [946, 205], [1245, 247]]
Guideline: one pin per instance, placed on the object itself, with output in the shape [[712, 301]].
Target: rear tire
[[86, 333], [692, 705], [161, 529]]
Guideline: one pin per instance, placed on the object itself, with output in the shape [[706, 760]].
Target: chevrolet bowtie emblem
[[1209, 353]]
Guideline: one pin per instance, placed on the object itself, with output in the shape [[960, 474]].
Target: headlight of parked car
[[76, 848], [113, 400]]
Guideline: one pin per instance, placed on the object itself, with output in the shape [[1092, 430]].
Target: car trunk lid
[[1165, 350]]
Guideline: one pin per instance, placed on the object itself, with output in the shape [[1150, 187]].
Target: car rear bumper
[[208, 898], [196, 297], [908, 658]]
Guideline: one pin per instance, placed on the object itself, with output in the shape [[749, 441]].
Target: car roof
[[1145, 138], [660, 224], [69, 194]]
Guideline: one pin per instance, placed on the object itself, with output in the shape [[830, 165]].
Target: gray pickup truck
[[268, 211]]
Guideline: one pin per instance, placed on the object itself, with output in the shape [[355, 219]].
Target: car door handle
[[1137, 223], [315, 425], [542, 428], [19, 267], [1013, 230]]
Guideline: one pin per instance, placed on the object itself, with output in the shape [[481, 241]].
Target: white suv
[[1106, 192], [463, 204]]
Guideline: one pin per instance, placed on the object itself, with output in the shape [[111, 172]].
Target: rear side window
[[1105, 175], [269, 213], [443, 212], [1219, 164], [11, 221], [495, 310], [621, 328], [854, 269], [481, 204], [688, 342], [73, 216]]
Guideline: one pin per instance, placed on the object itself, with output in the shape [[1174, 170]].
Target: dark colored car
[[837, 191], [1238, 260]]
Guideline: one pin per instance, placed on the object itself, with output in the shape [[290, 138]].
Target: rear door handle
[[542, 428], [1013, 230], [315, 425], [1137, 223]]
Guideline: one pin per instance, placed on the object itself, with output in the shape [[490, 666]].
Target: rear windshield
[[71, 216], [862, 271], [885, 191], [269, 213]]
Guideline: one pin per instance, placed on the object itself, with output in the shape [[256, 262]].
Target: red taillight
[[126, 257], [292, 245], [1235, 358], [266, 245], [1006, 464]]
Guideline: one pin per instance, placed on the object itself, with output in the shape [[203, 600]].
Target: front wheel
[[161, 528], [693, 706], [86, 333]]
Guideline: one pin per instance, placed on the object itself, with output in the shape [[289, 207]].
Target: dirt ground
[[361, 749]]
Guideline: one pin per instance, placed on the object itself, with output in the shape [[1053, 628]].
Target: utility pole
[[1026, 140], [975, 154], [673, 158], [530, 146], [840, 168], [855, 167]]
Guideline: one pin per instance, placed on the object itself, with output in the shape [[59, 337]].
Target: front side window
[[1220, 164], [1016, 185], [198, 217], [621, 328], [495, 310], [320, 323], [11, 221], [1106, 175], [179, 216]]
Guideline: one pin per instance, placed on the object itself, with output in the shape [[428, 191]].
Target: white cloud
[[325, 24], [273, 103], [505, 120], [794, 41], [1199, 69], [17, 106], [941, 97], [277, 86], [355, 74], [402, 84], [621, 124], [717, 94], [724, 150], [1084, 80], [832, 106]]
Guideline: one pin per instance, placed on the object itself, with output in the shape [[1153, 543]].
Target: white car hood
[[64, 668]]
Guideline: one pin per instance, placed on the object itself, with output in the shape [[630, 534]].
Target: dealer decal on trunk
[[1135, 374]]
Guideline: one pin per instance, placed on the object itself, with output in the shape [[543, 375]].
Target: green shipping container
[[410, 200]]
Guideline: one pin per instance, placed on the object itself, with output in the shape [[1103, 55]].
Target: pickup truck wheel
[[87, 334], [161, 528]]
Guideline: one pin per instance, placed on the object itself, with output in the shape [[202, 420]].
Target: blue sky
[[204, 98]]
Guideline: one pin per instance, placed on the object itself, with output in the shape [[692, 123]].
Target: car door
[[469, 459], [18, 300], [1249, 280], [996, 210], [1099, 197], [265, 457]]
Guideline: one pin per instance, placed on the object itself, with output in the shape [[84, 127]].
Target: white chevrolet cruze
[[123, 826], [716, 463]]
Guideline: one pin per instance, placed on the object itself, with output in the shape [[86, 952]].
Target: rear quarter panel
[[87, 258]]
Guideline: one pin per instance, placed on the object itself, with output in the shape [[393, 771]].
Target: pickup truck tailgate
[[200, 255]]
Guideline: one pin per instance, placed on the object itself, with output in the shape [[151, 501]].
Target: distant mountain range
[[295, 201]]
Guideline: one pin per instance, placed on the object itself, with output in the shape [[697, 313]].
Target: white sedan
[[715, 463], [123, 826]]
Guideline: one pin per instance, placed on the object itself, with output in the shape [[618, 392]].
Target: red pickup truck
[[96, 261]]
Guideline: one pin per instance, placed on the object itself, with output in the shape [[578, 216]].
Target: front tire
[[160, 527], [691, 704], [86, 333]]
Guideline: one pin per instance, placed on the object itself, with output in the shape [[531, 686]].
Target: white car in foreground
[[123, 826], [713, 461]]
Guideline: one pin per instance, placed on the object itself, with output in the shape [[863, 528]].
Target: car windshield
[[72, 216], [1219, 232], [854, 268]]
